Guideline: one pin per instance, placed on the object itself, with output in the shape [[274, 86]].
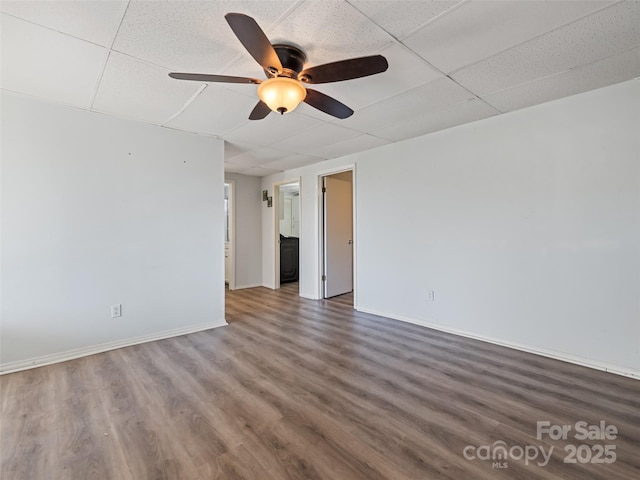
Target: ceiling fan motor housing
[[292, 59]]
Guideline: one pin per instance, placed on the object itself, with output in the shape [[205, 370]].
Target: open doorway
[[337, 214], [229, 237], [287, 229]]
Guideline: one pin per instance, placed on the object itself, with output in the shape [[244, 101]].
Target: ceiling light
[[282, 94]]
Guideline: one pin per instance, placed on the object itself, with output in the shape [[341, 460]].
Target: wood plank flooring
[[301, 389]]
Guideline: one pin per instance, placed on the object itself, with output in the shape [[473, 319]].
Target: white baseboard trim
[[19, 365], [250, 285], [309, 297], [616, 369]]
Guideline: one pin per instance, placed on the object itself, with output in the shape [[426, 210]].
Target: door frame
[[320, 213], [232, 233], [276, 226]]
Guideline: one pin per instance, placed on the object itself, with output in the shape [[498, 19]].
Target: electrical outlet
[[431, 295], [116, 310]]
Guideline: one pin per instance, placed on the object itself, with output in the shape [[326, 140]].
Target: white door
[[338, 234]]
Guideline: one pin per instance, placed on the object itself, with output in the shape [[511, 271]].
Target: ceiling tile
[[260, 171], [328, 31], [429, 97], [608, 32], [272, 129], [433, 121], [135, 89], [189, 35], [477, 30], [41, 62], [615, 69], [316, 137], [231, 168], [352, 145], [406, 71], [215, 111], [400, 18], [293, 161], [233, 149], [93, 21], [257, 156]]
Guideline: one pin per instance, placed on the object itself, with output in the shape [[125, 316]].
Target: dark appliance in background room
[[289, 252]]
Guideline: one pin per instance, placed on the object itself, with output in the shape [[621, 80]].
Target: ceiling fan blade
[[203, 77], [345, 69], [254, 40], [260, 111], [327, 104]]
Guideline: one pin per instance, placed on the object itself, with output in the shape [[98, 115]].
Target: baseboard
[[616, 369], [250, 285], [103, 347], [309, 297]]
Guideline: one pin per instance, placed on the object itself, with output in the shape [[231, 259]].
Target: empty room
[[320, 239]]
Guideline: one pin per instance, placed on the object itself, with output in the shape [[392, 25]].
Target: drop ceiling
[[450, 63]]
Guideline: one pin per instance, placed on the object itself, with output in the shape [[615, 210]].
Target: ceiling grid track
[[108, 49]]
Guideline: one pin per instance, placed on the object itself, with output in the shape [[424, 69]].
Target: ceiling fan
[[283, 65]]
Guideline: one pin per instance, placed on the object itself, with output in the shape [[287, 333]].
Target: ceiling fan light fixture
[[282, 94], [284, 66]]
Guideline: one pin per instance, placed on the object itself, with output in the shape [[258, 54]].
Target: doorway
[[337, 234], [229, 236], [287, 230]]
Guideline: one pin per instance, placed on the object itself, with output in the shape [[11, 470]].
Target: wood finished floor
[[300, 389]]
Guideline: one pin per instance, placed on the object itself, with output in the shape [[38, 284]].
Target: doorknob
[[350, 242]]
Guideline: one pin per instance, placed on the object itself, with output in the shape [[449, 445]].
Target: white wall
[[248, 229], [526, 226], [99, 211]]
